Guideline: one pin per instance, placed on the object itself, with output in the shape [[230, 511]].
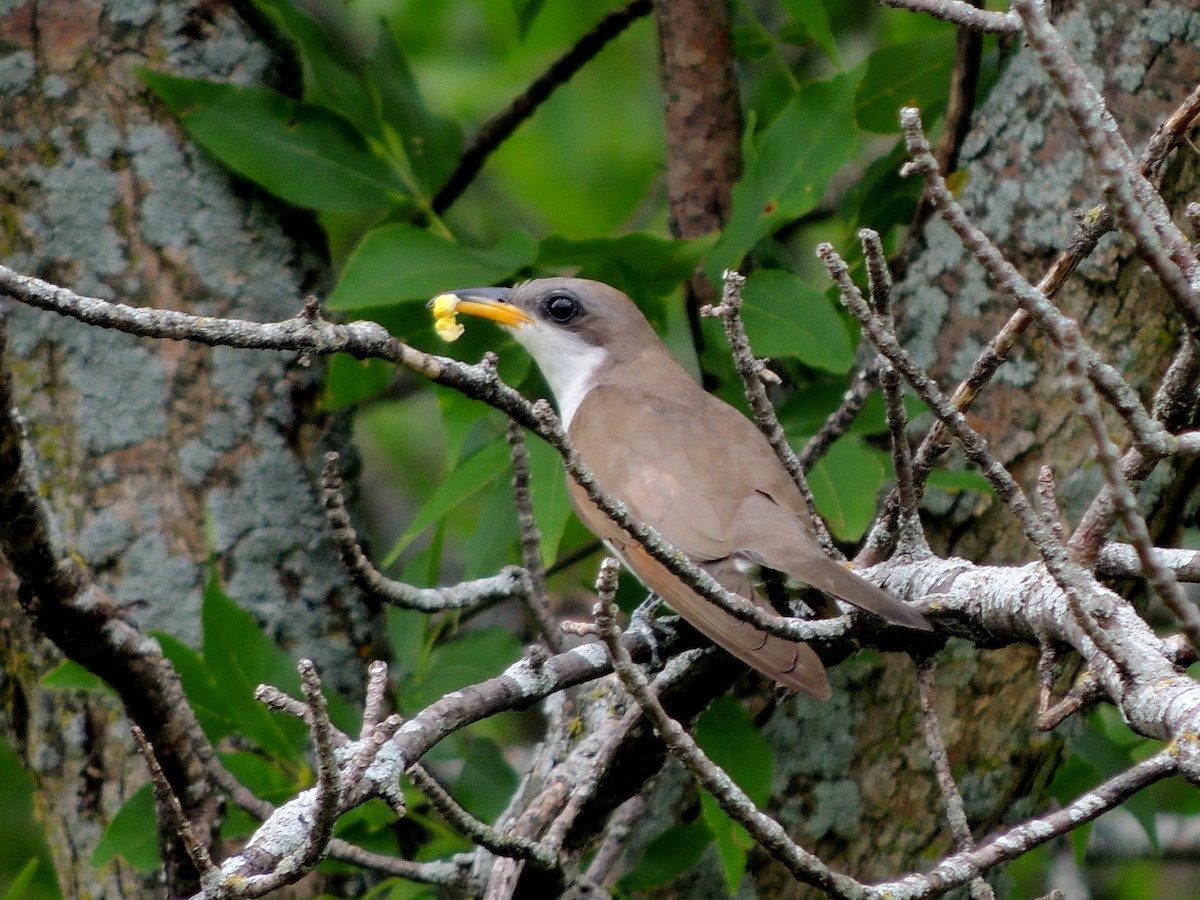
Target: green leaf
[[132, 834], [640, 264], [71, 676], [490, 547], [548, 487], [400, 262], [349, 381], [526, 11], [468, 659], [408, 636], [261, 775], [333, 77], [431, 144], [300, 152], [915, 73], [789, 167], [467, 479], [730, 738], [812, 14], [675, 851], [845, 483], [752, 42], [733, 841], [24, 878], [786, 317], [727, 734], [961, 480], [487, 781], [240, 658], [208, 700]]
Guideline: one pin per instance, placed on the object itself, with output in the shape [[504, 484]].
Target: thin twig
[[1075, 582], [196, 850], [1148, 434], [453, 873], [1175, 405], [480, 832], [956, 812], [1140, 208], [375, 695], [960, 105], [324, 742], [765, 831], [536, 597], [838, 422], [497, 129], [911, 538], [961, 14], [1048, 503], [751, 371], [963, 867], [466, 596], [1157, 575], [1092, 226]]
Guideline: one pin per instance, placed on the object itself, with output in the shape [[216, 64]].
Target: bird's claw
[[657, 631]]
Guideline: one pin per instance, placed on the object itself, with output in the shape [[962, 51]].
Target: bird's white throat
[[568, 363]]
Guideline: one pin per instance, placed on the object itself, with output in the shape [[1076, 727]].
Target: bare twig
[[1149, 434], [480, 832], [536, 597], [911, 539], [1140, 208], [962, 867], [453, 874], [1087, 688], [963, 14], [1048, 503], [1075, 582], [324, 741], [1121, 561], [375, 695], [766, 832], [959, 107], [1159, 576], [167, 798], [1092, 226], [497, 129], [956, 813], [839, 421], [751, 371], [465, 596], [1175, 405]]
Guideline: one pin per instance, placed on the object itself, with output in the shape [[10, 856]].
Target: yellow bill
[[445, 308]]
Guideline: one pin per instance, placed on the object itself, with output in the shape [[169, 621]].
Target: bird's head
[[571, 327]]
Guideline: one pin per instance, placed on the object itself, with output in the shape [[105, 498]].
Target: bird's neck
[[571, 377]]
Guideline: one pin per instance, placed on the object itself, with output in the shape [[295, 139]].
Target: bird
[[681, 460]]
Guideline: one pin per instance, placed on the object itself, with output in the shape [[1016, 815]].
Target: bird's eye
[[561, 308]]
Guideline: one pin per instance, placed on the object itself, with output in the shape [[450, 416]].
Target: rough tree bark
[[162, 453], [863, 794]]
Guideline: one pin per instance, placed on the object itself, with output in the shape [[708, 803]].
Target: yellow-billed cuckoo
[[681, 460]]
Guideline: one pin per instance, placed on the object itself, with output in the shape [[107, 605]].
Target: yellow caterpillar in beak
[[448, 327]]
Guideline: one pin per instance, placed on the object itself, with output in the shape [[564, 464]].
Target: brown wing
[[684, 463], [790, 663], [771, 536]]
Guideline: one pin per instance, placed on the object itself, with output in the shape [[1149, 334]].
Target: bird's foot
[[656, 630]]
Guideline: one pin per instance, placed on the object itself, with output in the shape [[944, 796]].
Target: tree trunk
[[853, 775], [160, 453]]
